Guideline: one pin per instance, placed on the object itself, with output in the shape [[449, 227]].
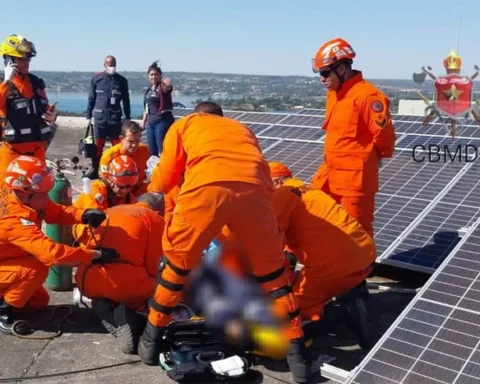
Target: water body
[[77, 102]]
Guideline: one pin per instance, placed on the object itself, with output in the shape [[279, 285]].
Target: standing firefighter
[[226, 182], [359, 133], [25, 116]]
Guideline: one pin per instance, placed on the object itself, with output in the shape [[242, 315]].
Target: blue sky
[[392, 38]]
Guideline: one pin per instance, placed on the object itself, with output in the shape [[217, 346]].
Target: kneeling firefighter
[[25, 252]]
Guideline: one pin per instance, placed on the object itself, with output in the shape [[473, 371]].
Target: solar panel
[[258, 128], [309, 111], [402, 127], [408, 192], [265, 144], [436, 235], [297, 133], [233, 114], [437, 337], [258, 117], [180, 112], [307, 121], [403, 176], [303, 158]]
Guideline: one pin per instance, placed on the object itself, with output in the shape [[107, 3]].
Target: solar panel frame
[[437, 337]]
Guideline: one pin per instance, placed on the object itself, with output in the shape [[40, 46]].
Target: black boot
[[92, 173], [355, 315], [6, 318], [299, 361], [103, 309], [130, 326], [150, 344]]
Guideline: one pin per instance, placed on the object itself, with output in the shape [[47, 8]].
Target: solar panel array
[[428, 189], [437, 337]]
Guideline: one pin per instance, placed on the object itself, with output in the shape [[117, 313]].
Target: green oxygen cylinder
[[60, 278]]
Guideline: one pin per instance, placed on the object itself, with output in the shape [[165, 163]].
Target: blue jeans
[[156, 133]]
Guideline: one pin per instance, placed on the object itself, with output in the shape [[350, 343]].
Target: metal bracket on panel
[[406, 232], [463, 231], [386, 288], [333, 373]]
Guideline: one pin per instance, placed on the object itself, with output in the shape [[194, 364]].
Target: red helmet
[[27, 173], [123, 170], [330, 52]]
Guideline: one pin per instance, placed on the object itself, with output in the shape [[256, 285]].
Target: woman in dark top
[[158, 106]]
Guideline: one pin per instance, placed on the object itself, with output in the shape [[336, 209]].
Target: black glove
[[108, 255], [93, 217]]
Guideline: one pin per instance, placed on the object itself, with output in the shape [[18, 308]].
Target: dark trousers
[[112, 131], [156, 133]]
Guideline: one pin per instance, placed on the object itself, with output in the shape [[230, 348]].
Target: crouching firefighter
[[25, 116], [121, 288], [233, 191], [25, 252], [337, 253]]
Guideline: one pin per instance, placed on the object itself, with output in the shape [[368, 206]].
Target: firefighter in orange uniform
[[337, 253], [25, 252], [359, 133], [130, 145], [120, 288], [25, 116], [113, 190], [226, 180]]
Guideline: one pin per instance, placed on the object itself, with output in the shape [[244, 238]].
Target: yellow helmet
[[17, 46]]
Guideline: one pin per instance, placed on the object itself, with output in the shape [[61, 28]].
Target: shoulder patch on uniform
[[377, 106], [26, 222]]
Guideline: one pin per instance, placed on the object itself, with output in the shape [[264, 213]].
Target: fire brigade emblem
[[452, 95]]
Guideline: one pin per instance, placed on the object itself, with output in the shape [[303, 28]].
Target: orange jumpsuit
[[134, 231], [100, 197], [337, 253], [9, 151], [226, 181], [359, 133], [140, 157], [26, 253]]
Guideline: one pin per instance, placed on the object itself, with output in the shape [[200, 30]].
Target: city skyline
[[392, 40]]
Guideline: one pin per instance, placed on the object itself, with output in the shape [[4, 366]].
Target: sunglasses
[[124, 186], [325, 73]]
